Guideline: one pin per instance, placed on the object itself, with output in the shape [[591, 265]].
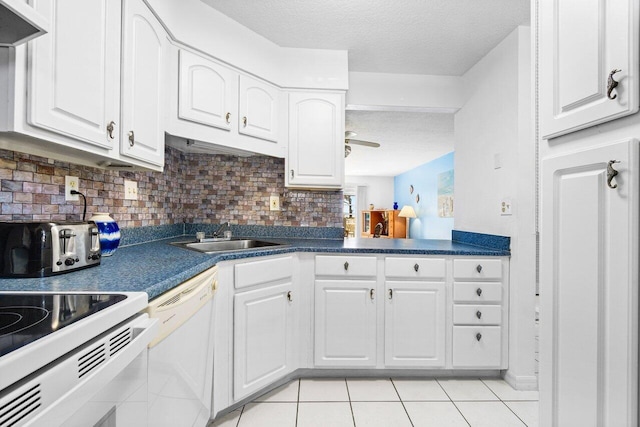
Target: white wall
[[379, 190], [202, 27], [495, 161], [404, 92]]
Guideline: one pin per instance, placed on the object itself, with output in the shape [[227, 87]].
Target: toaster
[[39, 249]]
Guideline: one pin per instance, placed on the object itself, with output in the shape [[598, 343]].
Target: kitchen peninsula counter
[[155, 267]]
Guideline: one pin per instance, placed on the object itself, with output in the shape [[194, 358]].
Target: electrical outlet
[[274, 203], [71, 183], [130, 190], [505, 207]]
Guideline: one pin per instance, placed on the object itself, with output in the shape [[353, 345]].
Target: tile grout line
[[401, 402], [241, 412], [298, 401], [502, 401], [353, 416], [454, 403]]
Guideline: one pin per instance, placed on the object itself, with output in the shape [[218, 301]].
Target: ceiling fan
[[348, 142]]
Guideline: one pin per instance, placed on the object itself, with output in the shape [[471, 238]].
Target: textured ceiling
[[407, 140], [439, 37]]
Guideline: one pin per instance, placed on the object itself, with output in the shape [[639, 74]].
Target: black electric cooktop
[[27, 317]]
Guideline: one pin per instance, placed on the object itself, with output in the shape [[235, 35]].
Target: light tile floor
[[389, 403]]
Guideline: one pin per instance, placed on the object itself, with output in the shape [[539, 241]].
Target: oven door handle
[[68, 398]]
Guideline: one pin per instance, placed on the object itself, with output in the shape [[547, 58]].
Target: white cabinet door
[[143, 42], [258, 109], [345, 323], [316, 140], [207, 91], [263, 338], [415, 326], [74, 87], [589, 288], [581, 42]]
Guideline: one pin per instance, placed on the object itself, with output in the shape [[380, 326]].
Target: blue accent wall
[[424, 178]]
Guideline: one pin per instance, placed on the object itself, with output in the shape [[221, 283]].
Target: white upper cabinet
[[258, 109], [581, 44], [206, 92], [316, 140], [75, 74], [142, 84], [223, 109]]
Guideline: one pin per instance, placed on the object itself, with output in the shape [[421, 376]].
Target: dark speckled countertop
[[155, 267]]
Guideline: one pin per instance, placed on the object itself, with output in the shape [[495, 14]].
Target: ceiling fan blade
[[365, 143]]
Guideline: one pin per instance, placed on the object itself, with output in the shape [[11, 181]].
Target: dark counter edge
[[157, 267]]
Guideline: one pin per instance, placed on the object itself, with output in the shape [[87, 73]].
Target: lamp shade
[[407, 212]]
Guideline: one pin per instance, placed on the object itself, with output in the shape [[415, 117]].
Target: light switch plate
[[274, 203], [130, 190]]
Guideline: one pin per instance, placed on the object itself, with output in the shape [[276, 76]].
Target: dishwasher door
[[181, 356]]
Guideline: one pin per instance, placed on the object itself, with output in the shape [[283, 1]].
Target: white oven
[[101, 382]]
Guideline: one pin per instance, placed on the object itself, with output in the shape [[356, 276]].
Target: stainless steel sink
[[225, 245]]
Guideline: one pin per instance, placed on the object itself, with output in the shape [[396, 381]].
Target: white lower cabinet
[[414, 322], [480, 314], [356, 311], [345, 323], [263, 333]]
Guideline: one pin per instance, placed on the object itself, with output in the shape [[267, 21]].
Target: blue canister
[[109, 232]]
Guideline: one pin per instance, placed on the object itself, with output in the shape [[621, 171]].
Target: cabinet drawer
[[477, 314], [477, 346], [345, 266], [263, 271], [415, 267], [477, 269], [477, 292]]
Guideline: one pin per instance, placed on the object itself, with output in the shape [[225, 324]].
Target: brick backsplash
[[193, 188]]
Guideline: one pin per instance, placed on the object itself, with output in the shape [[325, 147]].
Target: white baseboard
[[521, 382]]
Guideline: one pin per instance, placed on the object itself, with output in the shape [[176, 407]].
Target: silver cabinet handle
[[478, 314], [291, 173], [346, 265], [416, 267], [611, 173], [612, 84], [110, 128], [244, 121], [228, 118], [132, 139], [372, 293], [289, 297], [478, 336], [479, 291], [390, 293], [479, 268]]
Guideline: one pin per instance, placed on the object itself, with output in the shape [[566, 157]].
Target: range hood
[[19, 23]]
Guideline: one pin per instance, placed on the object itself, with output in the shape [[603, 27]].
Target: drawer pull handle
[[478, 336], [227, 118], [244, 121], [479, 291], [390, 293], [478, 314], [416, 267], [479, 268], [132, 138], [346, 265], [372, 293], [289, 297]]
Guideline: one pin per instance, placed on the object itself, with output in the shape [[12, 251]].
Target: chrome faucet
[[224, 225]]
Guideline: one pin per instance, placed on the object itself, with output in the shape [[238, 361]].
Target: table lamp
[[407, 212]]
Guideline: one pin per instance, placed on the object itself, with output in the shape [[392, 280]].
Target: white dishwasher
[[181, 355]]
